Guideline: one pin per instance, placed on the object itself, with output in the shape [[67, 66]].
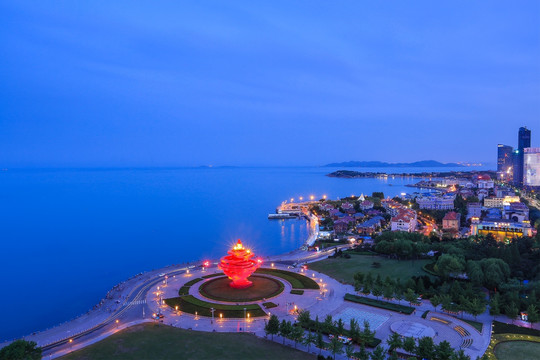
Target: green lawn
[[296, 280], [344, 269], [153, 341], [475, 324], [192, 305], [517, 350]]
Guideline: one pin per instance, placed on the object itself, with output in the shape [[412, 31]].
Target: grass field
[[344, 269], [517, 350], [475, 324], [296, 280], [153, 341], [193, 305]]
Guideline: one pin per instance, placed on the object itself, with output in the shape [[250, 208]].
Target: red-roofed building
[[451, 221], [405, 220]]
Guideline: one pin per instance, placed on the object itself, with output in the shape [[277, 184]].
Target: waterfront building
[[444, 202], [501, 229], [524, 141], [405, 220], [504, 162], [474, 210], [531, 167], [451, 221]]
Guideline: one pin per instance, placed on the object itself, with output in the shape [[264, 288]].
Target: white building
[[444, 202], [531, 167], [405, 220]]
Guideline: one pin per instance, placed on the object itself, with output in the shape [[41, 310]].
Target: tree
[[362, 354], [340, 327], [495, 305], [394, 342], [511, 311], [328, 324], [476, 307], [460, 355], [319, 342], [448, 264], [435, 301], [304, 318], [285, 329], [336, 346], [309, 339], [532, 314], [495, 271], [425, 348], [398, 295], [349, 351], [272, 326], [354, 328], [367, 336], [443, 351], [388, 291], [410, 296], [378, 354], [21, 350], [297, 334], [409, 344]]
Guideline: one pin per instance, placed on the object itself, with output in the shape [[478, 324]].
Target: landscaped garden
[[153, 341], [262, 288], [192, 305], [510, 342], [296, 280], [343, 269], [380, 304]]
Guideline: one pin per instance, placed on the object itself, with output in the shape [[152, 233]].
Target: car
[[162, 274]]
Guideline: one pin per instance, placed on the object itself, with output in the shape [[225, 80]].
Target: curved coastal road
[[127, 313]]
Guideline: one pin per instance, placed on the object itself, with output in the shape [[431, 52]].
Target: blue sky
[[264, 83]]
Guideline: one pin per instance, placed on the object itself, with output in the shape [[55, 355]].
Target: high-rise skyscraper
[[531, 167], [524, 141], [504, 162]]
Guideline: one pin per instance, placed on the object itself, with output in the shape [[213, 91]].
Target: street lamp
[[117, 323], [245, 320], [212, 311]]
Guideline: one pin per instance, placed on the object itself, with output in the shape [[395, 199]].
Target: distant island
[[350, 174], [381, 164]]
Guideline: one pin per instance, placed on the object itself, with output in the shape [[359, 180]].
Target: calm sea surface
[[68, 236]]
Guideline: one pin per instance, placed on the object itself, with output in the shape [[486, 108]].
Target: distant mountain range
[[381, 164]]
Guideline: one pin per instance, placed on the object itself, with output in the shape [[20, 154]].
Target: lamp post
[[245, 320], [212, 311], [117, 321]]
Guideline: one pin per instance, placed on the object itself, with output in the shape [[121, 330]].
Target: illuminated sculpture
[[239, 265]]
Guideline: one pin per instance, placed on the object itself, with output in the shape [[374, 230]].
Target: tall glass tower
[[524, 141]]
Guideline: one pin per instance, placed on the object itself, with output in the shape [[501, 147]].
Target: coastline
[[109, 305]]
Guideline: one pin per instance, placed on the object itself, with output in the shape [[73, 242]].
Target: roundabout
[[263, 288]]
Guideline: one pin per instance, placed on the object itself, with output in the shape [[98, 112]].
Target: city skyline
[[248, 84]]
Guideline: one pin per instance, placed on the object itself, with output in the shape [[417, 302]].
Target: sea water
[[70, 235]]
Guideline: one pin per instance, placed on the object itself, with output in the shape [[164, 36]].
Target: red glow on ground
[[239, 265]]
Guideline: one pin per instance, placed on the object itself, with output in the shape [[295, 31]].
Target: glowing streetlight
[[117, 321]]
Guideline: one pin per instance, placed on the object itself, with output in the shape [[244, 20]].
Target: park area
[[153, 341], [343, 269], [517, 350]]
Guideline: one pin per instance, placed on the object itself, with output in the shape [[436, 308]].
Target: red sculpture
[[239, 265]]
